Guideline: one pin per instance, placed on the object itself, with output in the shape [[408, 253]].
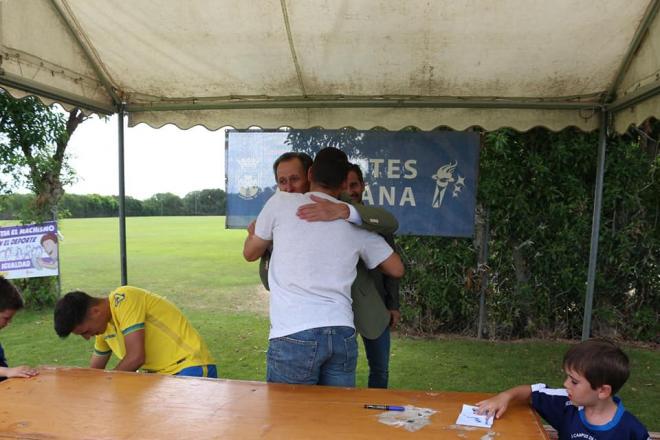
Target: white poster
[[28, 251]]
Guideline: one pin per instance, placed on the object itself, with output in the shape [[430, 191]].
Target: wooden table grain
[[79, 403]]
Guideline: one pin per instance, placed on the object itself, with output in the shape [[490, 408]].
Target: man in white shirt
[[312, 335]]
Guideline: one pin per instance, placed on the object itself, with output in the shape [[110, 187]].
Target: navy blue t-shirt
[[570, 422], [3, 361]]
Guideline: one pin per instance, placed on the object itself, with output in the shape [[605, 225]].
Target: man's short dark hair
[[600, 361], [330, 168], [304, 158], [10, 297], [70, 311], [357, 170]]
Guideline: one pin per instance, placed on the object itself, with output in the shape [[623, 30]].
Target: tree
[[205, 202], [163, 204], [33, 141], [12, 205]]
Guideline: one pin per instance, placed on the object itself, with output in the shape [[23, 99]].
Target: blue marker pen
[[385, 407]]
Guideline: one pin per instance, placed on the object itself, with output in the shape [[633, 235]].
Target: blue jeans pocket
[[351, 346], [291, 360]]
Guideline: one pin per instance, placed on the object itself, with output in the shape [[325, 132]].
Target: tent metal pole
[[122, 196], [649, 15], [44, 90], [595, 226], [306, 103], [641, 94], [482, 266], [66, 15]]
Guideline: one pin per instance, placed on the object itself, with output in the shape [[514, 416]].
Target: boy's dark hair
[[330, 168], [304, 159], [600, 361], [357, 170], [10, 297], [70, 311]]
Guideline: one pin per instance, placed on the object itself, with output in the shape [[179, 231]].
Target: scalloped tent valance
[[317, 63]]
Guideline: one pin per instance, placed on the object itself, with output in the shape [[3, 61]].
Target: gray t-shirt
[[313, 265]]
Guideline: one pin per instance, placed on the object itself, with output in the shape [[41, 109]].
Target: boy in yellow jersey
[[144, 330]]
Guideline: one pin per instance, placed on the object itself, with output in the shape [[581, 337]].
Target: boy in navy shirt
[[587, 407], [10, 303]]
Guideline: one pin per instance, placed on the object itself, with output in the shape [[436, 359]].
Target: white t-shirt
[[313, 265]]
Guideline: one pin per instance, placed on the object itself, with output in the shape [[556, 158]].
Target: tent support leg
[[122, 196], [481, 241], [595, 226]]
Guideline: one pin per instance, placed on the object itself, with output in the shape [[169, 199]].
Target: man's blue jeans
[[322, 356], [378, 356]]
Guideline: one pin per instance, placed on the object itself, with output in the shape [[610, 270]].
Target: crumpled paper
[[412, 419]]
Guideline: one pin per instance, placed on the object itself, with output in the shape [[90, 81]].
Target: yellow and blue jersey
[[171, 344]]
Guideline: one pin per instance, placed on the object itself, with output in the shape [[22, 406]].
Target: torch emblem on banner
[[444, 178]]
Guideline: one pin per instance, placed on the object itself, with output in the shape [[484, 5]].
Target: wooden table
[[67, 403]]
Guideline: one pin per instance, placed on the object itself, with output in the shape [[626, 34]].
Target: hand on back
[[322, 210]]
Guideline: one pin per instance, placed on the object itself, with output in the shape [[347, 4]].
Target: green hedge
[[204, 202], [537, 189]]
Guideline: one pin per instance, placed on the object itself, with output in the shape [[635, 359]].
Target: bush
[[537, 188], [38, 293]]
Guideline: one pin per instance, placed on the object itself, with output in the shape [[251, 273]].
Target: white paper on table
[[469, 417]]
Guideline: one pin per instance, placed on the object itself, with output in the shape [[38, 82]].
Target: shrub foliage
[[537, 189]]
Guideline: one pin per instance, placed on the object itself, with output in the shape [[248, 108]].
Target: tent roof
[[339, 63]]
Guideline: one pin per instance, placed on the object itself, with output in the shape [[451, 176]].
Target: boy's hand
[[21, 371], [495, 406]]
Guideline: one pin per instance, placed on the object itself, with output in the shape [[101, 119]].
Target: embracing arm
[[373, 218], [392, 266], [254, 247]]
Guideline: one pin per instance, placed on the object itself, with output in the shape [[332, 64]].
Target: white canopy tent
[[340, 63]]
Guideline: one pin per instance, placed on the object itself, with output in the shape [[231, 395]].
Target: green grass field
[[198, 264]]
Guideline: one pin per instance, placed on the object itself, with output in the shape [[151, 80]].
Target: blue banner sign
[[428, 180]]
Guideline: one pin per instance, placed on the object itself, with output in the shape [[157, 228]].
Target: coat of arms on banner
[[248, 182], [444, 179]]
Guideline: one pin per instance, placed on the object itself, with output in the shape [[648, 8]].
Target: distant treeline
[[204, 202]]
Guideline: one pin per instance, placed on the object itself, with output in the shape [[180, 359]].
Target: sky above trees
[[156, 160]]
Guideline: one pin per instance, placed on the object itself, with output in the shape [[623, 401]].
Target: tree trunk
[[41, 292]]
